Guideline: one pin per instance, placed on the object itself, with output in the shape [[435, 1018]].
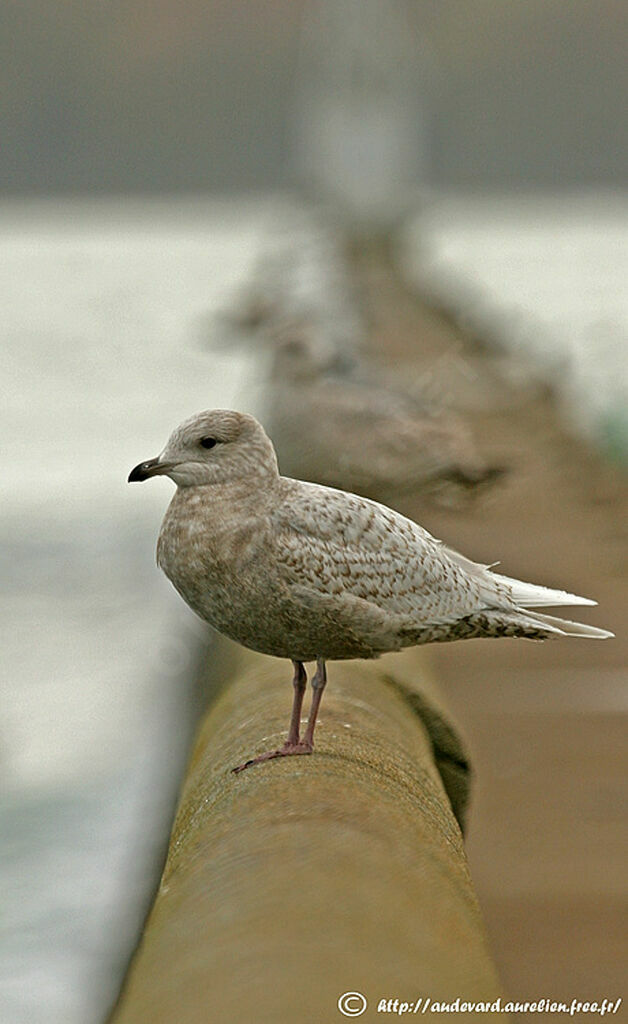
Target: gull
[[306, 572], [391, 441], [302, 275]]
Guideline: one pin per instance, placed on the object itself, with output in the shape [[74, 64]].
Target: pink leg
[[299, 681], [292, 744], [319, 682]]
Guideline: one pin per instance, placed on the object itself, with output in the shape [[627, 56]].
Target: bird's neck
[[220, 507], [205, 524]]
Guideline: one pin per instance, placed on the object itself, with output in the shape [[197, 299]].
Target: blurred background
[[409, 214], [149, 97]]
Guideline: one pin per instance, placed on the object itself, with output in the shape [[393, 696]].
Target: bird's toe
[[288, 749]]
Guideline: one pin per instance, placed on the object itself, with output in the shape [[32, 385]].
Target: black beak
[[146, 469]]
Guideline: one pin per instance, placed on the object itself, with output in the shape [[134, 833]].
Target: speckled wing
[[340, 545]]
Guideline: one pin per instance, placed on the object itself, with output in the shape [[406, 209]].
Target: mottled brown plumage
[[306, 572]]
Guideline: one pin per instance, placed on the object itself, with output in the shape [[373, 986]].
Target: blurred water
[[546, 278], [101, 357]]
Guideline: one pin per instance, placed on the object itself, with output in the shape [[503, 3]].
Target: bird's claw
[[287, 750]]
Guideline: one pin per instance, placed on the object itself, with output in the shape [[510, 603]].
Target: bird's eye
[[208, 442]]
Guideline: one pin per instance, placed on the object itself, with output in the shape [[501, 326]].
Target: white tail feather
[[530, 595], [563, 627], [534, 596]]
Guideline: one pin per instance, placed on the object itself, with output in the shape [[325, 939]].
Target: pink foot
[[287, 750]]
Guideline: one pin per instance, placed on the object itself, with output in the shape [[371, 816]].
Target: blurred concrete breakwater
[[337, 417], [310, 877]]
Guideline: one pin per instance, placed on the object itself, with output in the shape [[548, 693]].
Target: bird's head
[[213, 447], [302, 354]]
